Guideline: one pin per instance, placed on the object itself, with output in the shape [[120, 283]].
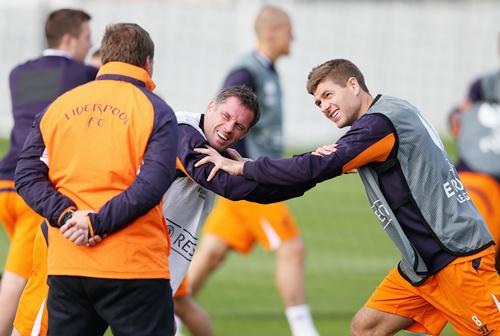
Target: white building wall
[[424, 51]]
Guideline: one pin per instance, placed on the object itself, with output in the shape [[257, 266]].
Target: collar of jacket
[[126, 70]]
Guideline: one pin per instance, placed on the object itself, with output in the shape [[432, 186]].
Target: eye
[[225, 116], [317, 103], [240, 127]]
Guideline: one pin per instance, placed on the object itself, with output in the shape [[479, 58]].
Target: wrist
[[65, 216], [92, 223], [89, 225]]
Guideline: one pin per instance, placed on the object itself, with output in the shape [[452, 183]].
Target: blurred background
[[426, 52], [423, 51]]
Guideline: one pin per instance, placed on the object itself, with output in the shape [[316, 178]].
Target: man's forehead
[[234, 106], [324, 85]]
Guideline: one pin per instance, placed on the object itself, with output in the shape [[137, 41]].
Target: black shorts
[[86, 306]]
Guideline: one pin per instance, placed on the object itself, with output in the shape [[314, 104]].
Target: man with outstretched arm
[[447, 272]]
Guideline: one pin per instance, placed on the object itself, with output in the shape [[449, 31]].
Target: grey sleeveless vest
[[490, 87], [479, 139], [186, 205], [265, 138], [433, 187]]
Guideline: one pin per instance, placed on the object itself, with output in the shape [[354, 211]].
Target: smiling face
[[342, 105], [226, 123]]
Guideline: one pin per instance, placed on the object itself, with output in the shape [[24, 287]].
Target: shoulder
[[159, 104], [26, 65], [372, 123], [239, 76]]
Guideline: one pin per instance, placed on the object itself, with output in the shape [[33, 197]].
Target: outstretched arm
[[224, 184], [371, 139]]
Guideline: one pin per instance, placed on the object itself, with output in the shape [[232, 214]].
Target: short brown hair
[[338, 71], [246, 97], [64, 21], [127, 42]]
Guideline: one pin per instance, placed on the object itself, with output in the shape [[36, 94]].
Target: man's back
[[116, 118], [33, 86]]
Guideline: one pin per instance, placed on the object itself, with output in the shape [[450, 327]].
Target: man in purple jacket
[[33, 86]]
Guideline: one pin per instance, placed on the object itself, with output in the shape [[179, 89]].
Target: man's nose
[[324, 106], [230, 126]]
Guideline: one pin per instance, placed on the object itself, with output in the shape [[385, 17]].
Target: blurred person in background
[[237, 226], [484, 89], [96, 58], [33, 86], [475, 125], [447, 270], [97, 163]]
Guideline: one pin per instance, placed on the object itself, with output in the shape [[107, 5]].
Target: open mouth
[[334, 114], [222, 136]]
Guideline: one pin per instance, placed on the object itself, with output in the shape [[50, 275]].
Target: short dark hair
[[246, 97], [127, 42], [64, 21], [338, 71]]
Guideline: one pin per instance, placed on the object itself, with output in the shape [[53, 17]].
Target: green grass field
[[347, 256]]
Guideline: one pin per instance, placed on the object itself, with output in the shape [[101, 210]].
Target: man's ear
[[65, 44], [210, 106], [353, 84], [148, 65]]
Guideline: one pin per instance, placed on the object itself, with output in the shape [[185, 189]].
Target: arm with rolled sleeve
[[225, 185], [155, 176], [32, 179]]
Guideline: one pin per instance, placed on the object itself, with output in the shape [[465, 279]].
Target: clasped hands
[[76, 229]]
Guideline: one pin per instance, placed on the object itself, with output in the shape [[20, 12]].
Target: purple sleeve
[[225, 185], [475, 93], [155, 176], [306, 167], [240, 76], [32, 179]]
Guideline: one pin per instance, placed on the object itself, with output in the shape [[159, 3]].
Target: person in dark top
[[447, 272], [239, 226], [486, 88], [34, 85], [475, 124]]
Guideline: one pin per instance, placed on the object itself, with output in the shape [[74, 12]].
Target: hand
[[325, 150], [235, 155], [233, 167], [76, 229]]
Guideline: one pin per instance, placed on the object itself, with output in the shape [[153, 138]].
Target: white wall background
[[424, 51]]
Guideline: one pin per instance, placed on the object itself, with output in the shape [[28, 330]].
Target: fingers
[[82, 239], [213, 172], [68, 225], [325, 150], [202, 150], [201, 162], [82, 213], [76, 230], [234, 154], [94, 241]]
